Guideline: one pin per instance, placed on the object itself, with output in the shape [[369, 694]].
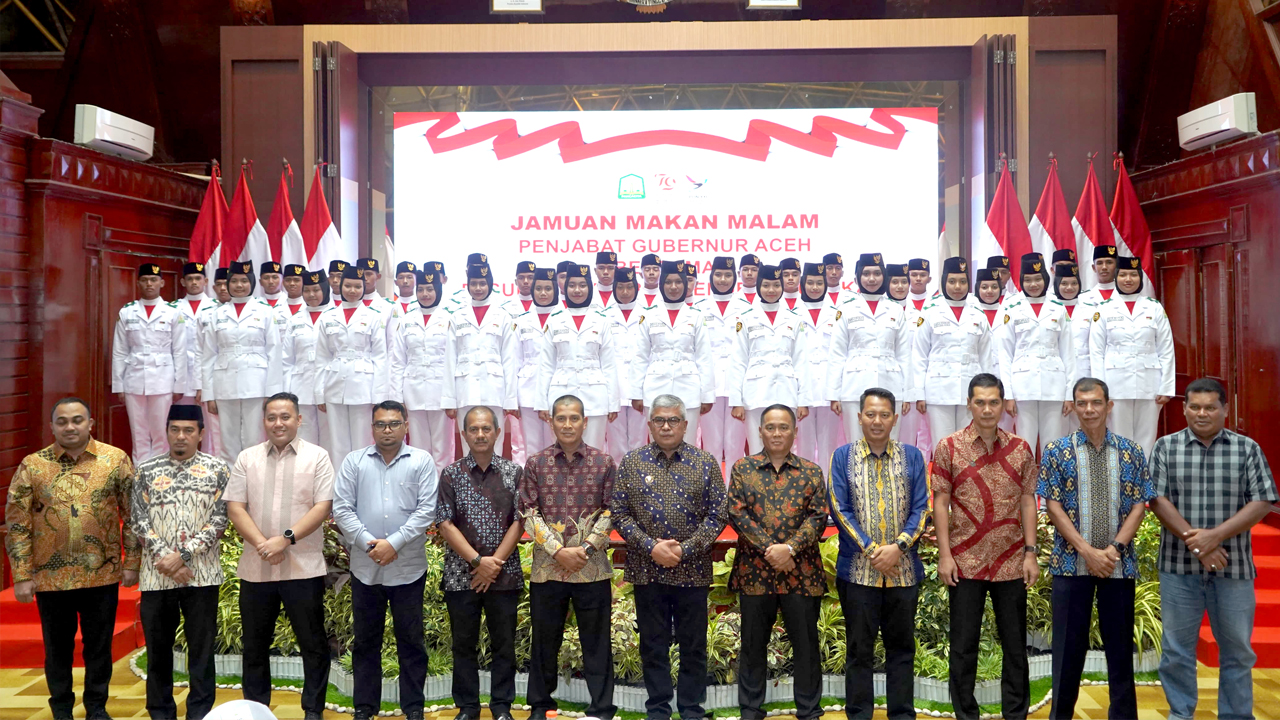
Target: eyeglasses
[[665, 421], [393, 425]]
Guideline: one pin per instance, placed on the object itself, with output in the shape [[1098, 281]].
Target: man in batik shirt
[[67, 506], [778, 507], [179, 516]]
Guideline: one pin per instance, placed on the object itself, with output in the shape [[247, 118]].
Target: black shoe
[[413, 715], [504, 716], [312, 715], [464, 716], [99, 714], [363, 715]]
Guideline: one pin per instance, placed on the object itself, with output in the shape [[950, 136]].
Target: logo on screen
[[631, 187]]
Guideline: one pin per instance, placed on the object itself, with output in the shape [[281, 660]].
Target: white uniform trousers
[[1137, 420], [241, 425], [626, 433], [1008, 423], [350, 428], [723, 435], [429, 430], [593, 434], [532, 433], [913, 429], [315, 426], [853, 428], [1041, 418], [818, 436], [514, 429], [148, 424], [946, 420]]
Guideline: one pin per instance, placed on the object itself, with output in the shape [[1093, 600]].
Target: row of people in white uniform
[[788, 335]]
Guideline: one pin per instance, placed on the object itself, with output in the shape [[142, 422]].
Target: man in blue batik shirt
[[1095, 485]]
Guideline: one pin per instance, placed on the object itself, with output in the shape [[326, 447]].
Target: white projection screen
[[684, 184]]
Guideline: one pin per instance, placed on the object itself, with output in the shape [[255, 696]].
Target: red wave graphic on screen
[[820, 140]]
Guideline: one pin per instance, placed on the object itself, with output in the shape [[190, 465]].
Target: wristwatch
[[475, 561], [185, 554], [902, 545], [590, 550], [1119, 546], [288, 535], [791, 549], [1033, 549]]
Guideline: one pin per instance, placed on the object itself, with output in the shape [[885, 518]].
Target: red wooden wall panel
[[1215, 218]]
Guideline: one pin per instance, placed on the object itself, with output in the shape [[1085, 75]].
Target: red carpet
[[1266, 627], [22, 645]]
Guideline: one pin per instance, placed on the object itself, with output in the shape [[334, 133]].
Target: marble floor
[[23, 696]]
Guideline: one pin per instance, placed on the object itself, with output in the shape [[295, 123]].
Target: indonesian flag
[[283, 235], [206, 238], [1051, 225], [244, 237], [1133, 236], [1092, 228], [320, 239], [1005, 232]]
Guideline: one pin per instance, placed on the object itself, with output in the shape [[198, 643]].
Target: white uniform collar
[[196, 298], [240, 300], [151, 303], [351, 305]]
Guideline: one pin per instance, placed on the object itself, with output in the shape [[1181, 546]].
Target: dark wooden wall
[[1074, 66], [1214, 218], [94, 218]]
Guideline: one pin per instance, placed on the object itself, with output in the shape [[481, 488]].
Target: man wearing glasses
[[384, 501]]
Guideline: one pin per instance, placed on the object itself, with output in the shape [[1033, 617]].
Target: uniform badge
[[1097, 316], [640, 321], [739, 327], [919, 321], [838, 314], [1006, 319]]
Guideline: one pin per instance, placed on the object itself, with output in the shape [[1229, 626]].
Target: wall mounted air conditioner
[[113, 133], [1219, 122]]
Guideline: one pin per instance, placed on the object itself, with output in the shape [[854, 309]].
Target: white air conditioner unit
[[113, 133], [1227, 119]]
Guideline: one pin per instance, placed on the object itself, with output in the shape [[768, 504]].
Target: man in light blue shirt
[[384, 501]]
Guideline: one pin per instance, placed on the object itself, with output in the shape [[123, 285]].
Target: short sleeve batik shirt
[[1097, 489], [986, 486], [1208, 485]]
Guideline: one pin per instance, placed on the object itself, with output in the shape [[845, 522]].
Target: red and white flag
[[1051, 225], [283, 235], [206, 238], [320, 239], [1005, 232], [1092, 227], [1133, 235], [244, 237]]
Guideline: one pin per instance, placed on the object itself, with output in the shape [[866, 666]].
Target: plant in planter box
[[931, 662], [778, 652], [724, 638], [719, 594], [832, 643], [627, 666]]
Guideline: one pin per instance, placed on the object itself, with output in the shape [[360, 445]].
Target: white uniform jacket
[[1081, 325], [767, 365], [868, 350], [242, 352], [149, 354], [623, 328], [817, 347], [1132, 352], [487, 358], [195, 320], [947, 352], [672, 359], [579, 361], [422, 360], [529, 332], [353, 357], [299, 355], [720, 328], [1037, 354]]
